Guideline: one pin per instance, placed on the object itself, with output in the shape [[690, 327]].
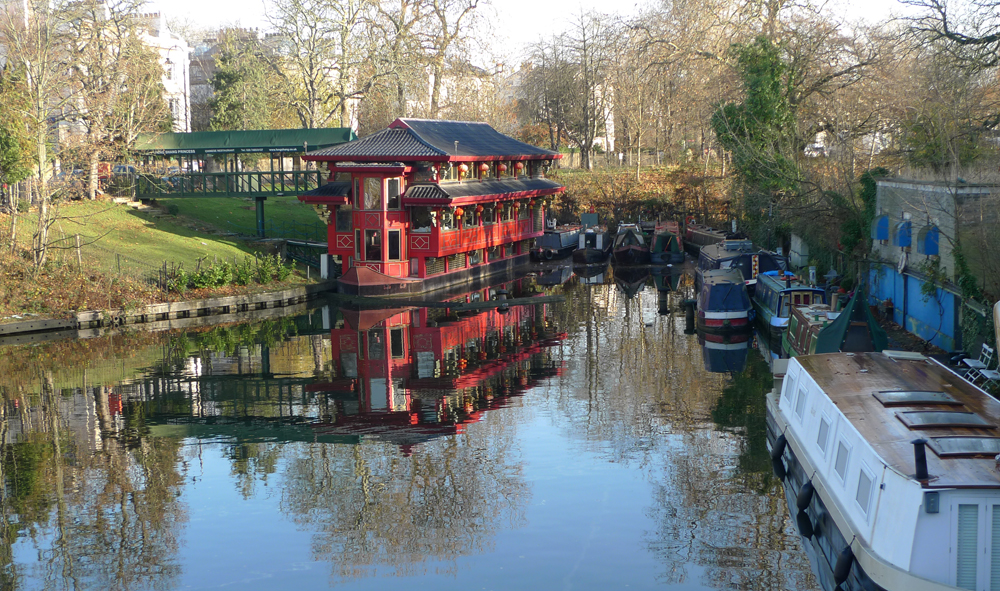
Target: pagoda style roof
[[433, 140], [334, 193], [479, 191]]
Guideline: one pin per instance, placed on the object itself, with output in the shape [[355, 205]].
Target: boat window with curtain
[[373, 193]]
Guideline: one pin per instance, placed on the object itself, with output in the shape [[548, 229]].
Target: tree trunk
[[585, 161], [92, 164], [435, 92], [41, 238]]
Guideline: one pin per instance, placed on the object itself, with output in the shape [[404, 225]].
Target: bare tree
[[117, 79], [590, 46], [34, 34], [445, 27], [972, 29], [326, 54]]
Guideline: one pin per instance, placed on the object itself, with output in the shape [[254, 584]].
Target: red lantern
[[463, 168], [519, 166], [531, 203], [502, 167], [479, 209], [459, 211], [484, 167]]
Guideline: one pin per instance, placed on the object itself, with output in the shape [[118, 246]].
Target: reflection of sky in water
[[584, 527], [610, 473]]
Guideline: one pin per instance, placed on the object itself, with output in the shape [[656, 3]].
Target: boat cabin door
[[975, 541]]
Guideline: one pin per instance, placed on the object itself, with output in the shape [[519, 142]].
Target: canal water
[[576, 443]]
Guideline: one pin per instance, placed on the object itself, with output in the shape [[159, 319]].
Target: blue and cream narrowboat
[[774, 298], [723, 303]]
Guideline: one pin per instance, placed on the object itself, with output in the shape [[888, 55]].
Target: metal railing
[[218, 184]]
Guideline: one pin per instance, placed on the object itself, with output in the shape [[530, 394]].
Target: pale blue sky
[[517, 22]]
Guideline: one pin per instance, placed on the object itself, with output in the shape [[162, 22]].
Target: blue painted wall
[[932, 319]]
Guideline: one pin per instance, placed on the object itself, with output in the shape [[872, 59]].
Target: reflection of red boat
[[420, 373]]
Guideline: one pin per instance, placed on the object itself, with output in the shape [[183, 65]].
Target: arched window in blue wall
[[927, 240], [880, 228], [902, 234]]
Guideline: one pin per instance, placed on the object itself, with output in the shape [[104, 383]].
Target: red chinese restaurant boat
[[413, 374], [426, 204]]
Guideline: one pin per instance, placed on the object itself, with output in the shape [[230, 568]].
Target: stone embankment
[[165, 316]]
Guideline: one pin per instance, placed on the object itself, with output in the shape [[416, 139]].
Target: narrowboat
[[556, 243], [665, 248], [773, 300], [630, 246], [723, 303], [889, 463], [817, 329], [697, 236], [594, 246], [739, 254]]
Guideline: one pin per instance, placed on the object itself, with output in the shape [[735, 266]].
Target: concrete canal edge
[[164, 315]]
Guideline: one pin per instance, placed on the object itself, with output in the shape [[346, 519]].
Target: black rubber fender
[[779, 447], [843, 567], [548, 254], [805, 524], [805, 496], [779, 468]]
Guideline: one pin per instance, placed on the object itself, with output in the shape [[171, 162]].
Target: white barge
[[890, 462]]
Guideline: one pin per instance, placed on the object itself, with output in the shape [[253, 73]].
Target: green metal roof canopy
[[854, 330], [243, 142]]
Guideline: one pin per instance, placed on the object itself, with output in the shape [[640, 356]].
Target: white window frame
[[790, 386], [864, 469], [824, 450], [847, 464], [800, 402]]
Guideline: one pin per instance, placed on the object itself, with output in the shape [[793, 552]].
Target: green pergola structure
[[212, 163]]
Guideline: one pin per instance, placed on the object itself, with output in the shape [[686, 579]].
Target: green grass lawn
[[284, 216], [107, 230]]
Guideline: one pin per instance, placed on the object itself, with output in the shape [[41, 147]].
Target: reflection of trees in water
[[709, 524], [100, 511], [636, 388], [373, 508], [741, 409], [630, 370]]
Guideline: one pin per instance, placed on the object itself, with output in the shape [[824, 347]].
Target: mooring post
[[260, 199], [79, 257]]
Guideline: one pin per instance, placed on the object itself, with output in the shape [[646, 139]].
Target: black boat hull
[[590, 256], [632, 255]]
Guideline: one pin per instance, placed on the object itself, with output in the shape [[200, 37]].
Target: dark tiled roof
[[389, 144], [458, 192], [368, 165], [433, 139], [425, 192], [474, 138], [335, 189]]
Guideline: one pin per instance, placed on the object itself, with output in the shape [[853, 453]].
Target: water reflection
[[591, 274], [631, 279], [725, 352], [440, 443]]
